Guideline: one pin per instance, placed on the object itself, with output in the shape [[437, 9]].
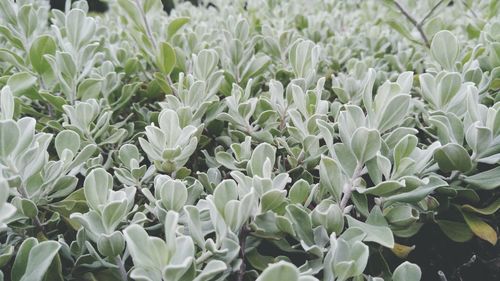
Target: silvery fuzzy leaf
[[80, 28], [394, 112], [22, 84], [479, 138], [451, 157], [67, 140], [376, 232], [113, 214], [223, 193], [301, 223], [365, 144], [34, 259], [262, 152], [213, 268], [444, 49], [148, 253], [9, 135], [7, 103], [6, 209], [331, 177], [281, 270], [166, 58], [173, 194], [407, 271], [96, 186]]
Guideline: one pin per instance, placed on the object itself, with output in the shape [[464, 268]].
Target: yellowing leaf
[[480, 228]]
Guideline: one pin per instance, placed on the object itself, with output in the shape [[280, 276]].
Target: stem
[[24, 194], [171, 84], [36, 220], [470, 9], [121, 268], [441, 275], [429, 14], [148, 29], [418, 25], [349, 185], [242, 237], [205, 256]]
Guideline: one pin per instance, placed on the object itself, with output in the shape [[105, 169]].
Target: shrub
[[245, 140]]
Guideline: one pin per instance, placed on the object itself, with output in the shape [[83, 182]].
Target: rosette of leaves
[[169, 259], [36, 180], [92, 121], [107, 210], [170, 145], [131, 172]]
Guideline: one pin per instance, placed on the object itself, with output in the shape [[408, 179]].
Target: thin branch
[[470, 9], [442, 276], [414, 22], [148, 29], [349, 186], [429, 14], [36, 220], [121, 268], [242, 237]]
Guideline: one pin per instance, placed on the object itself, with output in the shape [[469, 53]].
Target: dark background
[[98, 6]]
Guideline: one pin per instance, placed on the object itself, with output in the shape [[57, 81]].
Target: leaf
[[111, 245], [28, 208], [451, 157], [173, 194], [112, 214], [6, 104], [480, 228], [487, 180], [365, 144], [166, 58], [15, 40], [225, 191], [132, 12], [260, 154], [396, 25], [39, 259], [444, 49], [22, 83], [331, 176], [79, 28], [488, 210], [448, 87], [407, 272], [213, 268], [67, 139], [146, 251], [53, 100], [301, 223], [175, 25], [456, 231], [374, 233], [96, 187], [9, 137], [89, 89], [402, 251], [272, 199], [418, 193], [280, 271], [299, 192], [383, 188], [394, 113], [42, 45]]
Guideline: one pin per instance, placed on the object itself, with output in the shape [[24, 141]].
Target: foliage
[[244, 140]]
